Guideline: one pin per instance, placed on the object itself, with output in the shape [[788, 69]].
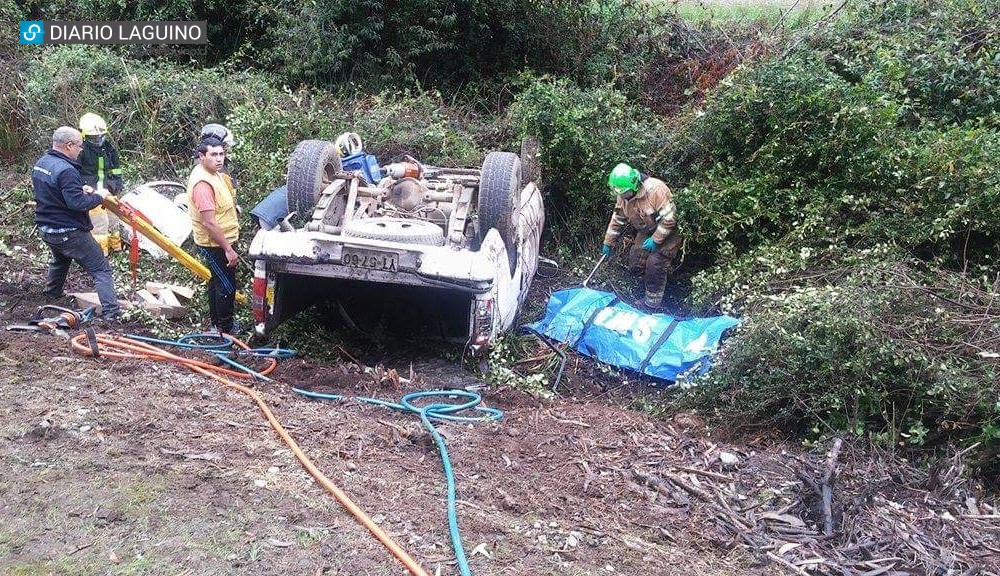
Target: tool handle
[[596, 266]]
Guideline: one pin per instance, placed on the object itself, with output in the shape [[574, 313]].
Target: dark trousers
[[655, 266], [80, 246], [221, 288]]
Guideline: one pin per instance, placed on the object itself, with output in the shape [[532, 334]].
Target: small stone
[[609, 568], [260, 483], [273, 470], [351, 466], [85, 428], [728, 459]]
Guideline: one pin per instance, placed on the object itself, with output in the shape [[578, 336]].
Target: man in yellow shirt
[[212, 208]]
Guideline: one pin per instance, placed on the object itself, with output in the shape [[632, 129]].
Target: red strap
[[133, 252]]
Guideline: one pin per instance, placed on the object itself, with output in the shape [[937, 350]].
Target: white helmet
[[93, 125], [348, 144], [220, 132]]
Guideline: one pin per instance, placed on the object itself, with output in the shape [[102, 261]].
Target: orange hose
[[121, 348]]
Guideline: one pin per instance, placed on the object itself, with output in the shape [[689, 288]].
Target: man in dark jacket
[[62, 203]]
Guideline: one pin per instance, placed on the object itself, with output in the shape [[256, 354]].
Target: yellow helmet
[[93, 125]]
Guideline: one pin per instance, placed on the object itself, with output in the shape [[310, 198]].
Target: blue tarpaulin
[[599, 325]]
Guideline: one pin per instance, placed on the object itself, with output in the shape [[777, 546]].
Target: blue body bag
[[599, 325]]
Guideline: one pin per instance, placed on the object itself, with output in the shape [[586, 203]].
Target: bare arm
[[212, 227]]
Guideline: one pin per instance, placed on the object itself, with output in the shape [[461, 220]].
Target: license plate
[[369, 260]]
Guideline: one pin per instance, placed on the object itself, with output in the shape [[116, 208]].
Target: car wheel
[[499, 197], [311, 168], [402, 230]]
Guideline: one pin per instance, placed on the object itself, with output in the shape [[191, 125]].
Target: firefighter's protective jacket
[[100, 166], [651, 210]]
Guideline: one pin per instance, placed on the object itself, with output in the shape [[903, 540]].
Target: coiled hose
[[440, 411]]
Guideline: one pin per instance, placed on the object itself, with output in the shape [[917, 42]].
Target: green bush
[[582, 134], [937, 59], [845, 197], [154, 109], [416, 43], [450, 43], [796, 152], [878, 348]]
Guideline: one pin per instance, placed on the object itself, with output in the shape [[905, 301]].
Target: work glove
[[605, 250], [649, 245], [102, 192]]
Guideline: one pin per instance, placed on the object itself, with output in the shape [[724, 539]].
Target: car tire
[[311, 168], [402, 230], [499, 197]]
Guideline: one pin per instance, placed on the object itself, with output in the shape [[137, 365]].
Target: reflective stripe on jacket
[[100, 166], [650, 210]]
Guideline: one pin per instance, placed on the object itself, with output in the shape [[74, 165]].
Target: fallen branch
[[706, 473], [828, 479], [786, 564]]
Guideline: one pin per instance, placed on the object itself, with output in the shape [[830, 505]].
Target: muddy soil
[[136, 467]]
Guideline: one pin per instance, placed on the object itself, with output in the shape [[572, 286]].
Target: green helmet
[[623, 179]]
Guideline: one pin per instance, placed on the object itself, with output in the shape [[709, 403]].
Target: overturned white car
[[448, 253]]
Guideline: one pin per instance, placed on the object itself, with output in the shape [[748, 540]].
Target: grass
[[65, 566], [721, 11]]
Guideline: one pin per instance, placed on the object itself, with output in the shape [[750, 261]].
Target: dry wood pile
[[840, 512]]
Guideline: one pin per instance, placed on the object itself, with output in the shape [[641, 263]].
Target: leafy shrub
[[939, 60], [154, 109], [845, 196], [793, 151], [450, 43], [582, 134], [883, 349], [11, 120]]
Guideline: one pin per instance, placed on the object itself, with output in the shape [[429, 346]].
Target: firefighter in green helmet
[[647, 205]]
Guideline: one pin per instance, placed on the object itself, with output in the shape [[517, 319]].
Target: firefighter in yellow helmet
[[647, 205], [100, 168]]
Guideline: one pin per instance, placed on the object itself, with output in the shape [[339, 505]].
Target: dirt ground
[[132, 467]]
